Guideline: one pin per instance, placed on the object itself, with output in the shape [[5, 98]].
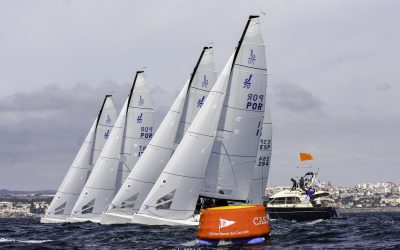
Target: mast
[[148, 168], [132, 88], [241, 39], [175, 192], [234, 153], [133, 127], [75, 179], [197, 65], [217, 154]]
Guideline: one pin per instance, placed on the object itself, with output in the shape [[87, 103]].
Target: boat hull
[[79, 220], [150, 220], [112, 218], [47, 220], [302, 214]]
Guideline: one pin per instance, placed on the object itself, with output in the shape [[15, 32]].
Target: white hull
[[112, 218], [77, 220], [47, 220], [150, 220]]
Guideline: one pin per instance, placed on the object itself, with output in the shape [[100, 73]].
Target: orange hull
[[233, 222]]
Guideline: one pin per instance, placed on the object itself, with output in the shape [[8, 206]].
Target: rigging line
[[230, 163], [250, 67], [124, 165], [135, 107], [165, 209], [186, 176], [154, 145], [141, 181], [68, 193], [204, 90], [104, 125], [108, 189]]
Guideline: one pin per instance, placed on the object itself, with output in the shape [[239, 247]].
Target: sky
[[333, 78]]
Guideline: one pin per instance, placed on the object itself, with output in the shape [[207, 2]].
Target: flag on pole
[[305, 157]]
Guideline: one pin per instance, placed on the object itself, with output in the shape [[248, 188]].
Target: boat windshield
[[285, 200], [292, 200]]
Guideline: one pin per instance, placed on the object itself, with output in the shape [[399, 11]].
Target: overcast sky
[[333, 78]]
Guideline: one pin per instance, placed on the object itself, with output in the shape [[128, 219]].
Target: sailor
[[301, 183], [294, 186]]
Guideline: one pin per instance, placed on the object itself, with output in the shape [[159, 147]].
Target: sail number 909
[[146, 132]]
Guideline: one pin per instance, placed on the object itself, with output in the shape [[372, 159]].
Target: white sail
[[131, 133], [140, 181], [223, 139], [176, 191], [75, 179], [259, 180], [234, 152]]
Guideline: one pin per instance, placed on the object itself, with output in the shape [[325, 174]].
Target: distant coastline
[[368, 209]]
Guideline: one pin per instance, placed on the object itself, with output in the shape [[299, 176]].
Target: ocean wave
[[358, 231], [5, 240]]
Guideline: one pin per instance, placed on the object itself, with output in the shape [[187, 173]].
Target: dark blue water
[[359, 231]]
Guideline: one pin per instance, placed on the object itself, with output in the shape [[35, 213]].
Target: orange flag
[[305, 157]]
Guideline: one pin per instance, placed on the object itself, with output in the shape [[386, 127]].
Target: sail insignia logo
[[107, 134], [140, 118], [225, 223], [252, 57], [247, 82], [200, 102], [108, 121], [141, 101], [204, 83]]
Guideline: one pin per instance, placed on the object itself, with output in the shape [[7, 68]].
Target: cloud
[[295, 98], [42, 130], [384, 86], [335, 58]]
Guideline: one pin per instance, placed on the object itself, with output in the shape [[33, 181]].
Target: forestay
[[75, 179], [140, 181], [128, 140]]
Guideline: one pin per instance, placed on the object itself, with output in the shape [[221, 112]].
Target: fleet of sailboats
[[212, 148], [131, 133], [217, 155], [140, 181], [71, 187]]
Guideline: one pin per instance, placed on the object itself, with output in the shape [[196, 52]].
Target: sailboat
[[68, 192], [148, 168], [217, 155], [128, 140], [259, 180]]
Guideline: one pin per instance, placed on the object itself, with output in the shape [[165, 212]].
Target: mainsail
[[128, 140], [148, 168], [75, 179], [233, 157], [260, 174], [223, 139]]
